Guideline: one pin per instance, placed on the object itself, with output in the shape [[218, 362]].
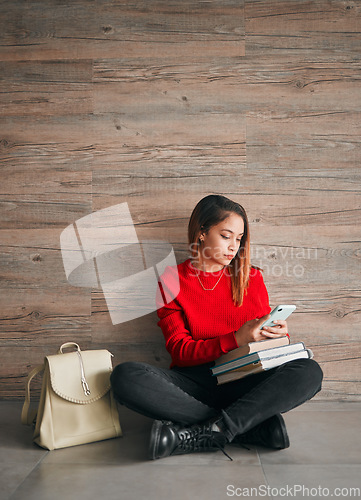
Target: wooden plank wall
[[158, 103]]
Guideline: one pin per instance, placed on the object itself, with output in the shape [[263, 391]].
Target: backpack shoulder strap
[[28, 416]]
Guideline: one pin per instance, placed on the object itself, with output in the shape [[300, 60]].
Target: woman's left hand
[[281, 327]]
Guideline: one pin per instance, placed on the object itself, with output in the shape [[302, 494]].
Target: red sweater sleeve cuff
[[228, 342]]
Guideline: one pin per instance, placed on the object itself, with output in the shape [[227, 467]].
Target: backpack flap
[[80, 377]]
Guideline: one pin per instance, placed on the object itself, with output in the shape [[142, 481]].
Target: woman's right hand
[[251, 332]]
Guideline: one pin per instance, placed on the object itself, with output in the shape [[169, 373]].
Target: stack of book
[[256, 357]]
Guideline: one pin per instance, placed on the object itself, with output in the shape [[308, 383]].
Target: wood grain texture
[[38, 306], [303, 27], [101, 29], [303, 136], [34, 89], [62, 143], [158, 104], [32, 198]]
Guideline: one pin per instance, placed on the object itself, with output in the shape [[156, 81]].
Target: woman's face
[[220, 244]]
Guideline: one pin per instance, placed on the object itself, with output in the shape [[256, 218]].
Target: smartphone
[[280, 312]]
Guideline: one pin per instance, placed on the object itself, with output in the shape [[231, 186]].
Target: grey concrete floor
[[325, 454]]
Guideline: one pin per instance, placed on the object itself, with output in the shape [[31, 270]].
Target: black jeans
[[189, 395]]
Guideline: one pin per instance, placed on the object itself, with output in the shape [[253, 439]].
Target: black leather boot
[[168, 439], [271, 433]]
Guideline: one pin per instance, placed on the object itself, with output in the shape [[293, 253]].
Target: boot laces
[[199, 438]]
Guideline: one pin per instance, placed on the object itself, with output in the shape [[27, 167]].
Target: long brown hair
[[209, 212]]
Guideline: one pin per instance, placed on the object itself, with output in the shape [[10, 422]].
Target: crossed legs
[[190, 395]]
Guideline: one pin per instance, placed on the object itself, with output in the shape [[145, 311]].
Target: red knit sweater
[[199, 325]]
